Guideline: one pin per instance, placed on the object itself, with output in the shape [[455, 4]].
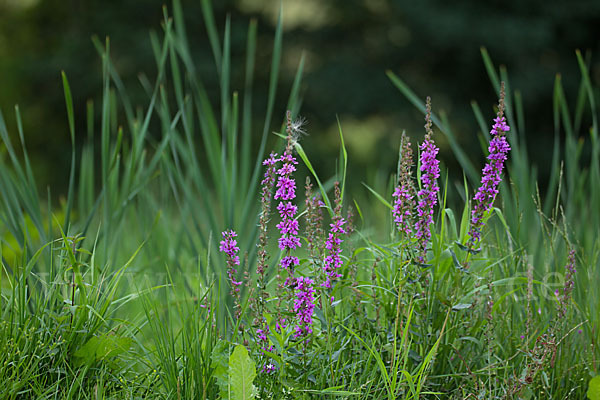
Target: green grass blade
[[225, 80], [211, 29], [308, 164], [71, 117], [483, 126], [293, 103], [379, 197], [246, 126], [343, 159], [273, 79], [489, 67]]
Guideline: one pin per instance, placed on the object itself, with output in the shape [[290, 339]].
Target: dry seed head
[[501, 101], [295, 129], [428, 123]]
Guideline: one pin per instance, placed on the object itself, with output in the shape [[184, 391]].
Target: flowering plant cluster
[[402, 210], [300, 310], [404, 198], [412, 212], [301, 290]]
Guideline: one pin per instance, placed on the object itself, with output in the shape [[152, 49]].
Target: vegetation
[[184, 264]]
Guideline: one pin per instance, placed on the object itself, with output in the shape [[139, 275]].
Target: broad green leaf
[[461, 306], [242, 372], [594, 389], [102, 347], [218, 359]]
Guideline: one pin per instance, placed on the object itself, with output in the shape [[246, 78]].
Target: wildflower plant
[[491, 174], [427, 196], [286, 193], [259, 301]]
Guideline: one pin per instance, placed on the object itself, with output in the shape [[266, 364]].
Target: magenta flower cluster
[[491, 174], [430, 172], [400, 212], [285, 192], [333, 244], [258, 302], [404, 194], [229, 247], [304, 305], [263, 338]]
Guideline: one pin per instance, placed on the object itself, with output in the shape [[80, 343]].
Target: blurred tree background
[[433, 45]]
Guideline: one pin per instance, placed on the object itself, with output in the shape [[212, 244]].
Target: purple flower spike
[[288, 226], [258, 301], [266, 194], [492, 173], [304, 305], [404, 194], [332, 261], [229, 247], [430, 172], [286, 192]]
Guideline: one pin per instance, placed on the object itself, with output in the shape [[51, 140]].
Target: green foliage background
[[348, 46]]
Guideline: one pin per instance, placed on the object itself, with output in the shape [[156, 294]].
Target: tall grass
[[198, 172]]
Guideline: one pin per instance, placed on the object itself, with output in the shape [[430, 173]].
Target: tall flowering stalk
[[404, 194], [491, 174], [288, 226], [529, 296], [286, 192], [430, 172], [265, 210], [229, 246], [314, 220], [259, 300], [304, 306], [565, 296], [333, 262]]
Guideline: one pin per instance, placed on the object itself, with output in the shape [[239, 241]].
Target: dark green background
[[433, 45]]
